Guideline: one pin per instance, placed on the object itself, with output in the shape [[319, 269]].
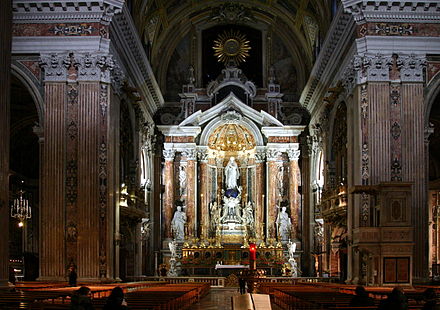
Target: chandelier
[[20, 209]]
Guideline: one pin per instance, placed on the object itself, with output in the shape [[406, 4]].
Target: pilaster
[[77, 204]]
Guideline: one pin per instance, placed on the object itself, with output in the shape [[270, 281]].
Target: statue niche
[[231, 209]]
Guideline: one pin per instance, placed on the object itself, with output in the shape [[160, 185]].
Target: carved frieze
[[72, 29]]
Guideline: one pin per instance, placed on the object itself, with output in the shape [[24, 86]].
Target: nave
[[164, 295]]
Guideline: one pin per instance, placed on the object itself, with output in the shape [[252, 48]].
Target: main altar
[[231, 177]]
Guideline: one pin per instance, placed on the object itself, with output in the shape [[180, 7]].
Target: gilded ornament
[[231, 46]]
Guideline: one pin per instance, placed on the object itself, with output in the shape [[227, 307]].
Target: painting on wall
[[285, 70], [178, 70]]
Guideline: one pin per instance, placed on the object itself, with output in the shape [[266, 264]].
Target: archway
[[434, 184], [24, 175]]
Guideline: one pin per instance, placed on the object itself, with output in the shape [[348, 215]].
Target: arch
[[32, 87], [244, 121], [432, 91]]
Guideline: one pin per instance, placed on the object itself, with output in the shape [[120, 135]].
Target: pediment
[[231, 103]]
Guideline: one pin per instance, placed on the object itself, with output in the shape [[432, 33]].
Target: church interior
[[186, 141]]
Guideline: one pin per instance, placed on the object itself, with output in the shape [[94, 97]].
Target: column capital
[[55, 66], [273, 154], [293, 153], [260, 156], [411, 67], [169, 154], [190, 154], [94, 67], [202, 154]]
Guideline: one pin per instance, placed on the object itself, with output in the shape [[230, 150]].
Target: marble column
[[168, 200], [294, 201], [204, 194], [273, 155], [5, 87], [260, 195], [191, 211]]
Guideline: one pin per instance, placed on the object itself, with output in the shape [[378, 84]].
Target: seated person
[[395, 301], [361, 299], [430, 298]]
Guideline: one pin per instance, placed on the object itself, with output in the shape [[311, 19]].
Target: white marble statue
[[283, 224], [232, 174], [182, 179], [291, 247], [295, 270], [215, 211], [178, 224], [248, 215], [173, 248], [231, 210]]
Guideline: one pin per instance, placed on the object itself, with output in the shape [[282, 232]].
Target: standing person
[[82, 299], [116, 300], [395, 301], [361, 299], [12, 275], [242, 285], [72, 276]]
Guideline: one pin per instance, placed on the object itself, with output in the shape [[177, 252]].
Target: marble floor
[[219, 299]]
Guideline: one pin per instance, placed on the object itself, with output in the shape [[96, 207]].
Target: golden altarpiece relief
[[231, 177]]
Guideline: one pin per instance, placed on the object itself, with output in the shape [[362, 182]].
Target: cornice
[[129, 48], [47, 11], [418, 11], [337, 40]]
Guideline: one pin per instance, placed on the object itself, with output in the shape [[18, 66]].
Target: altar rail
[[220, 281]]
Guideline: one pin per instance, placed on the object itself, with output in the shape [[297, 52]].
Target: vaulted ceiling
[[299, 24]]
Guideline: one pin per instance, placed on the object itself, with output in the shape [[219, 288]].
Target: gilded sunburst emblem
[[231, 45]]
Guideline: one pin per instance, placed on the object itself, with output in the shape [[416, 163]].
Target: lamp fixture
[[20, 209]]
